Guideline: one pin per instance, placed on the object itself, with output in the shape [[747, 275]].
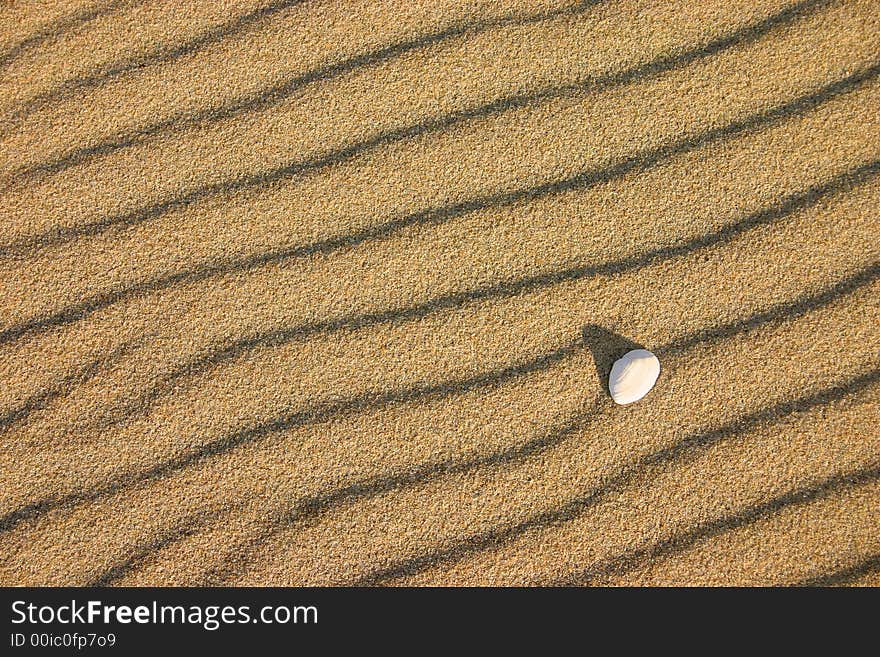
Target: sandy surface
[[326, 292]]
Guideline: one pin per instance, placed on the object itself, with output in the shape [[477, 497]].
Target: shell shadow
[[606, 347]]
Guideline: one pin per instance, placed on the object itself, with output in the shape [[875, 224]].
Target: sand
[[326, 293]]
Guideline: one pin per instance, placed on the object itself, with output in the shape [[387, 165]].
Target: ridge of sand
[[306, 292]]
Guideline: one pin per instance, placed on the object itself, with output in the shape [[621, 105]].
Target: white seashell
[[633, 376]]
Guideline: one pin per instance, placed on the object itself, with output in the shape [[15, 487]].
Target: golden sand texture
[[316, 292]]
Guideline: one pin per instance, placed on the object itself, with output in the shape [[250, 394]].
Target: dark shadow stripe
[[313, 506], [683, 541], [60, 27], [162, 54], [847, 575], [463, 548], [788, 310], [82, 375], [331, 410], [278, 93], [220, 267], [224, 355], [644, 160], [142, 553], [310, 415]]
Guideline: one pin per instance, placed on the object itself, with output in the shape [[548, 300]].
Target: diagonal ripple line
[[847, 575], [274, 95], [313, 506], [60, 27], [327, 411], [591, 178], [223, 355], [24, 247], [278, 93], [462, 548], [186, 528], [80, 376], [685, 540], [315, 414], [160, 55]]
